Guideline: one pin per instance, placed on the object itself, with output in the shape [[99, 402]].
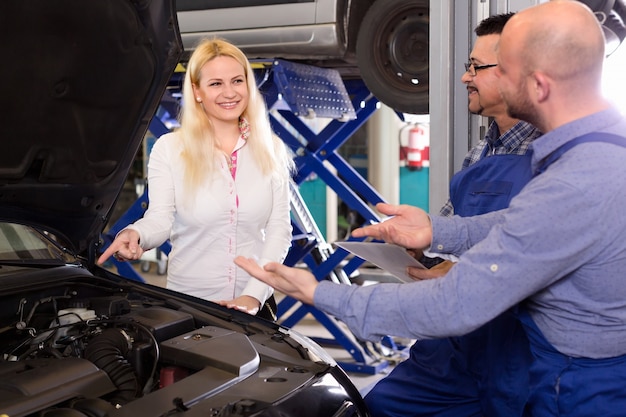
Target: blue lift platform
[[295, 91]]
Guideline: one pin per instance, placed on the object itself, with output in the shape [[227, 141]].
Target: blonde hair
[[198, 138]]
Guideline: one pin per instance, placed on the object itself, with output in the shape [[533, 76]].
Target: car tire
[[392, 53]]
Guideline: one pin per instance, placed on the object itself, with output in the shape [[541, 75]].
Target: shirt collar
[[553, 140], [512, 138]]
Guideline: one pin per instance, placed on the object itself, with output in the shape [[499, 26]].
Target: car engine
[[82, 349]]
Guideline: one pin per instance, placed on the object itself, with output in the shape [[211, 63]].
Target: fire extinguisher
[[418, 151]]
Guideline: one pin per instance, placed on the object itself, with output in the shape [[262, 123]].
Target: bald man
[[559, 250], [453, 376]]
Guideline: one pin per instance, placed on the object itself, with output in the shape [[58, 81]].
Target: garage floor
[[311, 328]]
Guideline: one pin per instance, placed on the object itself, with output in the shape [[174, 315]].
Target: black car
[[81, 82]]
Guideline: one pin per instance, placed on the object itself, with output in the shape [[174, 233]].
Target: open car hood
[[81, 82]]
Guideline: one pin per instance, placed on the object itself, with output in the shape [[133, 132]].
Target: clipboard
[[391, 258]]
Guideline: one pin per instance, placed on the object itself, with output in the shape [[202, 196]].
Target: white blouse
[[247, 216]]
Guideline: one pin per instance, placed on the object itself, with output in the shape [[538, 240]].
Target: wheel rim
[[404, 53]]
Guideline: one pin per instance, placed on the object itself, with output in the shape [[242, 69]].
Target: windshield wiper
[[33, 263]]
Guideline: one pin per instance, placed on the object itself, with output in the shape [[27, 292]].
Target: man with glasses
[[452, 376]]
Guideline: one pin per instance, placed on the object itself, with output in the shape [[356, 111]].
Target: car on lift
[[383, 42], [76, 339]]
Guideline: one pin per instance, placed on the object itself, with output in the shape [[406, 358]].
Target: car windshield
[[24, 246]]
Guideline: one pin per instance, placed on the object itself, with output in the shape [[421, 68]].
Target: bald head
[[550, 60], [561, 38]]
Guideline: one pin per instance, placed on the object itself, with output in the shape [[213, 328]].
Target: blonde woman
[[218, 185]]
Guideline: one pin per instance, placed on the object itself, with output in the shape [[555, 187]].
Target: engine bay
[[96, 348]]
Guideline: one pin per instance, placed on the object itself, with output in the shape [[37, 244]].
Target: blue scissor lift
[[292, 91]]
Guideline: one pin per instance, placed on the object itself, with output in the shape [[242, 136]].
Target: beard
[[474, 106], [475, 109], [519, 105]]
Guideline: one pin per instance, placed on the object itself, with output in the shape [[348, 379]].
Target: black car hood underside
[[81, 81]]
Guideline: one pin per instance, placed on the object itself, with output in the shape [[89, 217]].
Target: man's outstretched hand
[[294, 282], [407, 226]]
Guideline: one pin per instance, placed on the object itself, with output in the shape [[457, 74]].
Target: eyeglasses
[[472, 69]]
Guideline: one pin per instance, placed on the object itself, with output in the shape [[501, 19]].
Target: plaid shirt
[[514, 141]]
